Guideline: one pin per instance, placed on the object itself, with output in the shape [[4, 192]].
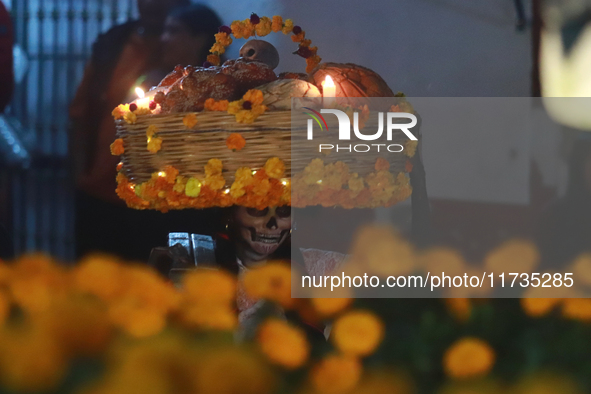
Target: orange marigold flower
[[206, 286], [237, 28], [117, 148], [154, 144], [255, 96], [283, 343], [214, 59], [212, 105], [468, 358], [247, 29], [382, 164], [305, 43], [277, 23], [190, 120], [336, 374], [298, 37], [358, 333], [275, 168], [235, 142], [271, 281], [170, 173]]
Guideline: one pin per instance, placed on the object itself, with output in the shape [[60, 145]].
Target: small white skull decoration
[[259, 233]]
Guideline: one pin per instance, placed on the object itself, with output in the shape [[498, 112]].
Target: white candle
[[142, 101], [329, 91]]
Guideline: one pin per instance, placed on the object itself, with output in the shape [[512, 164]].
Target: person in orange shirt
[[121, 59]]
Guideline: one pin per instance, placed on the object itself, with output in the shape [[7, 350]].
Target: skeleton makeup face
[[259, 233]]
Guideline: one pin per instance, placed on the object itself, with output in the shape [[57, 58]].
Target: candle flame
[[328, 82], [140, 92]]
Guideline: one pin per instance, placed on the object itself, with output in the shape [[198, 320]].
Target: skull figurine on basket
[[257, 234]]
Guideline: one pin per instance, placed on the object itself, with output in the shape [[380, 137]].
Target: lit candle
[[328, 88], [142, 101]]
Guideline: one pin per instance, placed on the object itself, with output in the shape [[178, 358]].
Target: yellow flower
[[330, 306], [515, 255], [218, 49], [277, 23], [210, 287], [287, 26], [117, 148], [151, 131], [215, 182], [244, 175], [264, 27], [283, 344], [237, 190], [154, 144], [179, 184], [271, 281], [223, 39], [468, 358], [130, 117], [193, 187], [410, 148], [358, 333], [355, 183], [336, 374], [190, 120], [275, 168], [213, 167], [235, 142]]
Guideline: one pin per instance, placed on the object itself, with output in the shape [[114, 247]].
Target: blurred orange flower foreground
[[108, 326]]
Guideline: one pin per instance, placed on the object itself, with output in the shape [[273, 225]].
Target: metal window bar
[[57, 37]]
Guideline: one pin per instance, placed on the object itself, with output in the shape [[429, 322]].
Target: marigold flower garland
[[262, 26], [319, 184]]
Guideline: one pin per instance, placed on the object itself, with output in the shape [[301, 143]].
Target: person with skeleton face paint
[[259, 234]]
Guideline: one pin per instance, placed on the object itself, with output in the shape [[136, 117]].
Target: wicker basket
[[271, 135]]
